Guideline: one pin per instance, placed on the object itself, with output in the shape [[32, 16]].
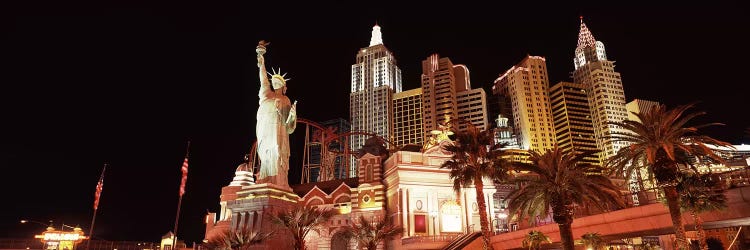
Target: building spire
[[377, 37], [585, 38]]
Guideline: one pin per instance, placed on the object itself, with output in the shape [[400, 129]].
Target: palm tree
[[534, 239], [698, 194], [238, 240], [592, 241], [476, 156], [300, 221], [369, 234], [659, 142], [560, 180], [221, 241], [646, 246]]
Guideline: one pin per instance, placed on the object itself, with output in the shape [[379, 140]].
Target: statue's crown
[[278, 76]]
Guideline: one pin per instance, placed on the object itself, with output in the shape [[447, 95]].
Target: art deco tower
[[375, 78], [603, 89]]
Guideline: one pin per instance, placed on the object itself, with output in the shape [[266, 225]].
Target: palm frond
[[301, 220], [369, 234]]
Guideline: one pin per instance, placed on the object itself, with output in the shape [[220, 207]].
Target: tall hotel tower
[[525, 86], [375, 78], [447, 95], [574, 130], [603, 88]]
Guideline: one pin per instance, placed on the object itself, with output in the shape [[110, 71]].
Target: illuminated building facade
[[375, 78], [472, 107], [439, 89], [408, 187], [525, 86], [604, 90], [447, 95], [639, 106], [407, 117], [737, 157], [571, 113], [504, 133]]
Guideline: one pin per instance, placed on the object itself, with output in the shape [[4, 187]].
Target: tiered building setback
[[375, 78], [604, 90]]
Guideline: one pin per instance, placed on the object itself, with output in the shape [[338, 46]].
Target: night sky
[[83, 84]]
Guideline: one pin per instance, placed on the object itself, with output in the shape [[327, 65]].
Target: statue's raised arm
[[265, 85]]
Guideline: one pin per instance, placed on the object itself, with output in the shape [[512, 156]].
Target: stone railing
[[430, 238]]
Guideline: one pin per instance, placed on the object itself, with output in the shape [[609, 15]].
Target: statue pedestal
[[266, 195], [251, 211]]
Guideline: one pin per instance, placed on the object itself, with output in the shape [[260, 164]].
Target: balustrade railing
[[430, 238]]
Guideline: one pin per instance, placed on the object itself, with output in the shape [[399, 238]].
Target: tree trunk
[[699, 229], [566, 236], [563, 216], [479, 186], [673, 202], [299, 243]]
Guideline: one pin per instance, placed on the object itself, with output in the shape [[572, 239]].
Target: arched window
[[450, 216]]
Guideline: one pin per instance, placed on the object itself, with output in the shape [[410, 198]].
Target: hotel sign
[[61, 240], [61, 236]]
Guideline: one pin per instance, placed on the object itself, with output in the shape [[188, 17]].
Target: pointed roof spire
[[377, 37], [585, 38]]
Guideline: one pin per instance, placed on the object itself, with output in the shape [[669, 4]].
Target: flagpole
[[96, 207], [179, 202]]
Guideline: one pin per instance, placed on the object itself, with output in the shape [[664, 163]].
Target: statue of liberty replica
[[276, 119], [247, 202]]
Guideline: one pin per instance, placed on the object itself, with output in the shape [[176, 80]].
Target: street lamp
[[33, 221]]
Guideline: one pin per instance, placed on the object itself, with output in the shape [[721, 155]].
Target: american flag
[[184, 176], [99, 187]]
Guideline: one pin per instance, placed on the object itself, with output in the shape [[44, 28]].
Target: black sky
[[129, 83]]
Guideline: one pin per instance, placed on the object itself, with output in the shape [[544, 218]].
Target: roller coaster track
[[324, 140]]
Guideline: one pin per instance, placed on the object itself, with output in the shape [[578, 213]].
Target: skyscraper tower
[[375, 78], [472, 107], [525, 86], [572, 118], [438, 92], [447, 95], [603, 89]]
